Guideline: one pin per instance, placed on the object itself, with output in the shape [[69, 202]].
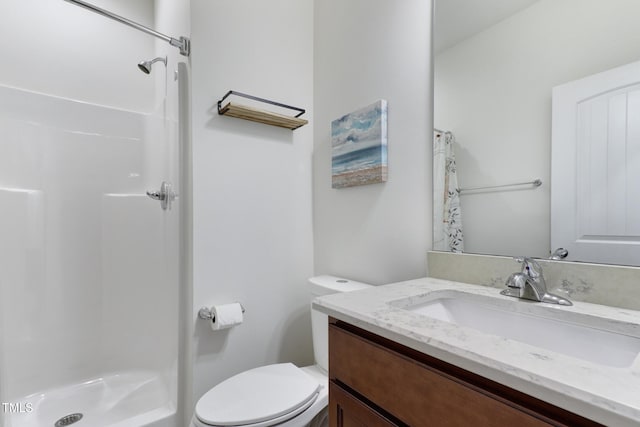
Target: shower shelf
[[259, 115]]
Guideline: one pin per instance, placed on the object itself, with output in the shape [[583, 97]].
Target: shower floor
[[128, 399]]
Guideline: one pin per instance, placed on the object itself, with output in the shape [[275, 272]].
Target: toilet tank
[[319, 286]]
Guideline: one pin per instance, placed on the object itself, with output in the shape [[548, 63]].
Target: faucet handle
[[530, 267]]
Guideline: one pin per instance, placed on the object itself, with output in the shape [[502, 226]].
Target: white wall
[[367, 50], [252, 185], [58, 48], [494, 92]]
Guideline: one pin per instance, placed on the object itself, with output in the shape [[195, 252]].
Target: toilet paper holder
[[205, 313]]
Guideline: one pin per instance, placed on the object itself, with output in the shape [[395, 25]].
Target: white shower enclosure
[[88, 262]]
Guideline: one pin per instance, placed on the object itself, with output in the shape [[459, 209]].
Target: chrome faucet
[[529, 284]]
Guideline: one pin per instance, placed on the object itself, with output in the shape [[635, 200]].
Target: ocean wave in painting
[[360, 159]]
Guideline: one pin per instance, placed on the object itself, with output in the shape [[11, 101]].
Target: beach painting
[[359, 147]]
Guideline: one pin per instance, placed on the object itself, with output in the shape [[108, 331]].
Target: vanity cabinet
[[377, 382]]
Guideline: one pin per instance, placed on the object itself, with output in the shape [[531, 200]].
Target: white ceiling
[[456, 20]]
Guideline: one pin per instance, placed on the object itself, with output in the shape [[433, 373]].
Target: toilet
[[281, 394]]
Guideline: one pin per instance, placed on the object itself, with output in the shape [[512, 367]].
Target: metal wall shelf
[[259, 115]]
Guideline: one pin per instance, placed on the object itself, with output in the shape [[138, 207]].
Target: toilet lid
[[257, 395]]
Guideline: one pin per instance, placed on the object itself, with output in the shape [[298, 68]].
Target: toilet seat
[[260, 397]]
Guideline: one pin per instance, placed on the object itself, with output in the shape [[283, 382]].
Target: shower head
[[145, 66]]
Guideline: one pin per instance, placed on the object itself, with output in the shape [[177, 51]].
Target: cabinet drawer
[[347, 411], [415, 393]]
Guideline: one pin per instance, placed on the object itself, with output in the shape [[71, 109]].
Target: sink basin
[[586, 337]]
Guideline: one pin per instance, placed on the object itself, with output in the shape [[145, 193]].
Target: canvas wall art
[[359, 147]]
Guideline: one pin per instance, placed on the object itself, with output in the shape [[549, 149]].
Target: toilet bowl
[[281, 394]]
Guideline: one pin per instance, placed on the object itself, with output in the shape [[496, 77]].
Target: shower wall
[[83, 249], [55, 47]]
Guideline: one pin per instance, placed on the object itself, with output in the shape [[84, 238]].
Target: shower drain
[[67, 420]]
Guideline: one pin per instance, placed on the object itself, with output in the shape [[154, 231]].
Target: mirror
[[495, 65]]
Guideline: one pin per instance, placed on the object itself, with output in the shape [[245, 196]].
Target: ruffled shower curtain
[[447, 216]]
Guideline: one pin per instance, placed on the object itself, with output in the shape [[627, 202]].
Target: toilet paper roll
[[225, 316]]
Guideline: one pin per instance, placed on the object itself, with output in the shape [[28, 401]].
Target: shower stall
[[90, 261]]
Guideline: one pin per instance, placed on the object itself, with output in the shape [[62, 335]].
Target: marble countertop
[[609, 395]]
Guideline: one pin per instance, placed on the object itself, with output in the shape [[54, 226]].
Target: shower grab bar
[[535, 183], [183, 43]]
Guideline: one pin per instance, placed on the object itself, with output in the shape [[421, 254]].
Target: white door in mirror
[[595, 167]]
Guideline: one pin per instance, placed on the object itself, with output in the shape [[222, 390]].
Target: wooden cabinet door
[[412, 389], [347, 411]]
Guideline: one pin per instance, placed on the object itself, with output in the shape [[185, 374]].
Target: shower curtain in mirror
[[447, 216]]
